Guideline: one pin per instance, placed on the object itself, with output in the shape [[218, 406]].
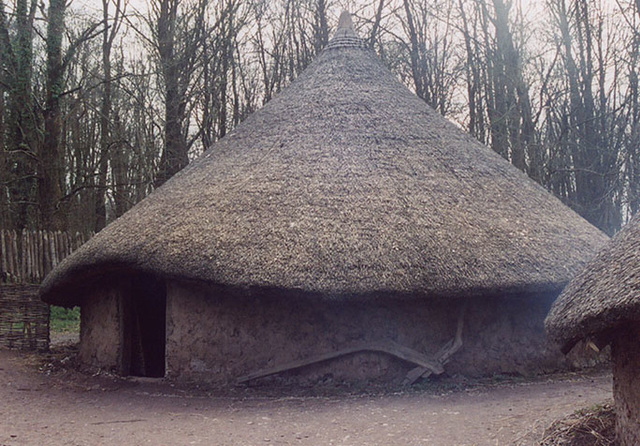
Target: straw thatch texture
[[605, 295], [345, 184]]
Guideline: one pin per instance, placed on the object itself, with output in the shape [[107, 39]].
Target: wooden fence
[[28, 256], [24, 318]]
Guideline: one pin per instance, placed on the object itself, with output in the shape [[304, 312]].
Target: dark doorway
[[144, 327]]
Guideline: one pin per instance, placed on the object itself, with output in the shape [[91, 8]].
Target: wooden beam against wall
[[388, 347]]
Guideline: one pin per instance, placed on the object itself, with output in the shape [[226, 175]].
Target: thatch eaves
[[603, 296], [345, 184]]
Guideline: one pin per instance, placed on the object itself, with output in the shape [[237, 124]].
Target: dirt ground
[[45, 401]]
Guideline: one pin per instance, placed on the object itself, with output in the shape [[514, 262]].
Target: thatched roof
[[604, 295], [344, 184]]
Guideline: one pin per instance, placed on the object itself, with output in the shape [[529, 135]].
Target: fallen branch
[[388, 347], [443, 356]]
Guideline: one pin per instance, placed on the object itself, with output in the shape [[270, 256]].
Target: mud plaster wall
[[217, 335], [100, 329], [626, 384]]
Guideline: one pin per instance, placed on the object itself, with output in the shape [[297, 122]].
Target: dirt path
[[67, 408]]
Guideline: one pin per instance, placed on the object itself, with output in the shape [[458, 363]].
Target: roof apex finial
[[345, 35], [345, 23], [345, 26]]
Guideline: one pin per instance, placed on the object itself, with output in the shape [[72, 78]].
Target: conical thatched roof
[[604, 295], [345, 184]]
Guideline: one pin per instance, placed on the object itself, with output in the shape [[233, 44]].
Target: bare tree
[[588, 133], [51, 154], [111, 27], [177, 41], [21, 121], [89, 137], [50, 169], [433, 67]]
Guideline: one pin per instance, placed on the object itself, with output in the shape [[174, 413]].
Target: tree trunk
[[414, 52], [4, 172], [119, 172], [105, 113], [51, 171], [508, 79], [474, 87], [174, 156], [21, 121]]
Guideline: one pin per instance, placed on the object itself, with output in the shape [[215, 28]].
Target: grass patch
[[65, 320]]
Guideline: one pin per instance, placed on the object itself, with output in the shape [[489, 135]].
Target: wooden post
[[34, 258], [26, 255], [23, 256], [46, 251], [8, 256], [3, 257], [55, 249], [14, 256], [39, 255]]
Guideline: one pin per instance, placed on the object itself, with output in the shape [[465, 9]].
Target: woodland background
[[102, 101]]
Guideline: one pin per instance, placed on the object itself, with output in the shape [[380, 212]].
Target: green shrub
[[64, 319]]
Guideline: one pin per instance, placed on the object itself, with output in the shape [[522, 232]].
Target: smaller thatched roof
[[606, 294]]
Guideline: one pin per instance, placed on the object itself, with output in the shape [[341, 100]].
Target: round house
[[345, 231], [602, 305]]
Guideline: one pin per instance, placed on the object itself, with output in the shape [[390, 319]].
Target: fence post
[[4, 267]]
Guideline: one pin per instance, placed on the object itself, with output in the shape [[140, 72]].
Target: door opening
[[144, 327]]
